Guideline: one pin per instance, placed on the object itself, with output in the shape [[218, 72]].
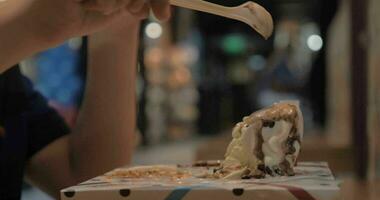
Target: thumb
[[161, 9]]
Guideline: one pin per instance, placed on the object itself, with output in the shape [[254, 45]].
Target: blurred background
[[200, 74]]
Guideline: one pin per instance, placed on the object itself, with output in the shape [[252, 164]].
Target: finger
[[98, 5], [118, 5], [143, 13], [104, 6], [161, 9], [136, 6]]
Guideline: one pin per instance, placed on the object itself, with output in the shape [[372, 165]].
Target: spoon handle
[[203, 6]]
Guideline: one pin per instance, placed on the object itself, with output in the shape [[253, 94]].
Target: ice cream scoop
[[267, 142]]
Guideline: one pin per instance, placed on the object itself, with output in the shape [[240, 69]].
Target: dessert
[[267, 142], [280, 129]]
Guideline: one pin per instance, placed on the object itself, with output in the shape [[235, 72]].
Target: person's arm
[[106, 127], [103, 137], [17, 40], [30, 26]]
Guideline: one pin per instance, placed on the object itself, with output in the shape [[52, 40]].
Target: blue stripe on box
[[178, 193]]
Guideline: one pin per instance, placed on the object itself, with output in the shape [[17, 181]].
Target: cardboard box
[[313, 181]]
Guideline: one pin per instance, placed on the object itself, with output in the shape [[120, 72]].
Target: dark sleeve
[[42, 123]]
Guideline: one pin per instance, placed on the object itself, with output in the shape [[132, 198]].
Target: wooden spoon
[[250, 13]]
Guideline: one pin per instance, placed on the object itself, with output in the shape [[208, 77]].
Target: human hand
[[138, 8], [53, 21]]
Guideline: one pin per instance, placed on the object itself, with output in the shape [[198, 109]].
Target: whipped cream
[[274, 140]]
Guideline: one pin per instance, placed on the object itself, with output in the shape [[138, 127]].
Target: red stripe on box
[[299, 193]]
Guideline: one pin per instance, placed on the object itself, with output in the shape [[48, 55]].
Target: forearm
[[104, 136], [17, 38]]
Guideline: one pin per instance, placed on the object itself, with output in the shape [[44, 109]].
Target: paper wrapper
[[313, 181]]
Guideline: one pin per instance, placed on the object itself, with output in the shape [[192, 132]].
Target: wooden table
[[360, 190]]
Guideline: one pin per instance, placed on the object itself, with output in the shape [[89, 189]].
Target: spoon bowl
[[250, 13], [255, 16]]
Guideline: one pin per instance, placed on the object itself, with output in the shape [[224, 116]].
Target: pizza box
[[313, 181]]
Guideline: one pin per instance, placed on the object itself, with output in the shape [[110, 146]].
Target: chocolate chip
[[291, 150], [261, 167], [246, 176], [269, 123], [292, 139], [269, 171], [293, 132], [258, 151], [217, 169], [279, 171], [290, 142], [285, 167]]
